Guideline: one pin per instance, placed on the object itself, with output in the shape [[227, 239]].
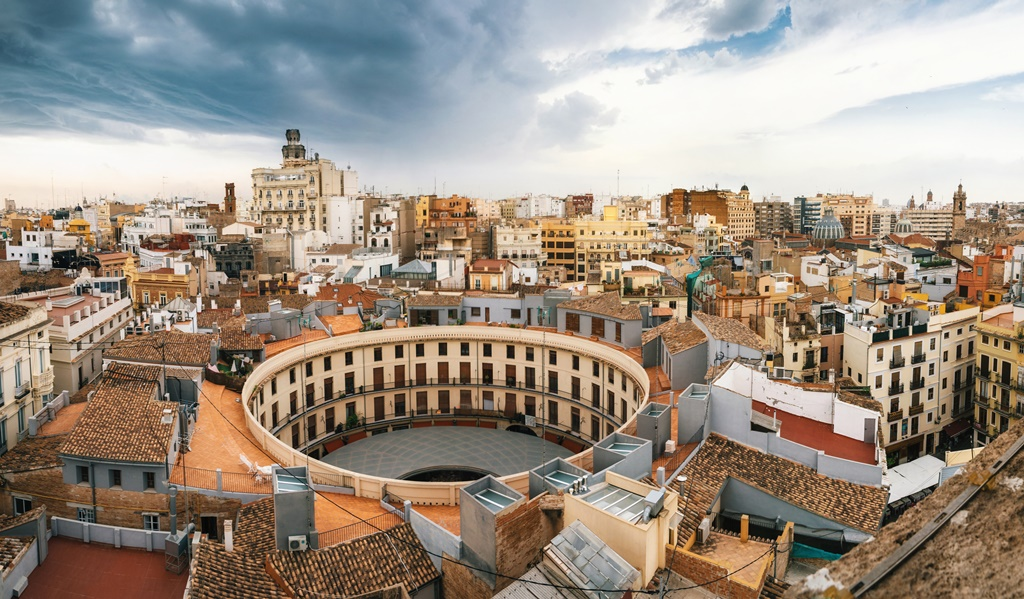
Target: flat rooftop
[[743, 560], [818, 435], [400, 453], [221, 437], [87, 570]]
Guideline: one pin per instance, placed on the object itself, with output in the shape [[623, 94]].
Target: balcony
[[962, 385], [809, 365], [895, 388], [894, 416], [897, 362], [22, 390], [916, 383], [1005, 409], [916, 409], [917, 358]]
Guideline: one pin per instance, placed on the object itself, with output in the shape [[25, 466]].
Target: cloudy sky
[[500, 98]]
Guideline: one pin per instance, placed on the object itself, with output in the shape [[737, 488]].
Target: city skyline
[[499, 100]]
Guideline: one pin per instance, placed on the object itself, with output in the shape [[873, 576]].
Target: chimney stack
[[744, 528], [229, 537]]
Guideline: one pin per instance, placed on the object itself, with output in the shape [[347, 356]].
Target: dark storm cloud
[[723, 19], [359, 71]]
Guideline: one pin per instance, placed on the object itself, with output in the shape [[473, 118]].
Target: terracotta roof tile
[[255, 532], [209, 316], [258, 304], [9, 522], [349, 295], [359, 566], [219, 574], [11, 548], [678, 336], [34, 453], [164, 347], [122, 422], [12, 312], [732, 331], [434, 299], [607, 304], [858, 506]]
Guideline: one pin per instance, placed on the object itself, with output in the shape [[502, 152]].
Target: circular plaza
[[416, 412]]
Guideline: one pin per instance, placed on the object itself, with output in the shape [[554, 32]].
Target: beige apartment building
[[919, 366], [600, 244], [293, 196], [855, 212]]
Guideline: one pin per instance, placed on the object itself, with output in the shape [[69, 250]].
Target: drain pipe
[[174, 510]]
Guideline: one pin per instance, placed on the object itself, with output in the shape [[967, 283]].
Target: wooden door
[[378, 408], [465, 372], [442, 372], [421, 374], [399, 375], [378, 378]]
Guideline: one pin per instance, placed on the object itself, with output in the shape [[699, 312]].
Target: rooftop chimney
[[229, 537]]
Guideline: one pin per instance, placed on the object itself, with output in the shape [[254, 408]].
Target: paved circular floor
[[399, 453]]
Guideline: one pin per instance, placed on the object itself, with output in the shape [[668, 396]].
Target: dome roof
[[744, 188], [828, 227], [904, 226]]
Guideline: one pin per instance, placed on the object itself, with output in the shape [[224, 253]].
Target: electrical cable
[[442, 557]]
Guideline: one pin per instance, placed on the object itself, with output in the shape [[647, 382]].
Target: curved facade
[[324, 394]]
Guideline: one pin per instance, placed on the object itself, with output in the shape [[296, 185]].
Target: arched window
[[373, 242], [301, 194], [289, 194]]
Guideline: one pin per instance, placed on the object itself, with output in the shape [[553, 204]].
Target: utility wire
[[393, 539]]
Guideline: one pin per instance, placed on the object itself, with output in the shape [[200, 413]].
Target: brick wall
[[114, 507], [701, 571], [520, 536], [459, 581]]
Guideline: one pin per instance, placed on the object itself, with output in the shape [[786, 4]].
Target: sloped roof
[[258, 304], [419, 267], [363, 565], [678, 336], [732, 331], [165, 347], [434, 299], [122, 422], [857, 506], [606, 304]]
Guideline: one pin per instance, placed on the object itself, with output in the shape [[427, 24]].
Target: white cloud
[[1010, 93]]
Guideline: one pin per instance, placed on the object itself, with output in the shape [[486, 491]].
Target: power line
[[442, 557]]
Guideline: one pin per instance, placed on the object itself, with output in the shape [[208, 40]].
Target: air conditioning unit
[[704, 530], [297, 543], [779, 372]]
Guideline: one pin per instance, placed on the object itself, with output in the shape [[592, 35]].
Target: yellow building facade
[[999, 386]]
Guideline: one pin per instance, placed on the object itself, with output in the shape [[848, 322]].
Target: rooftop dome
[[904, 227], [744, 188], [828, 227]]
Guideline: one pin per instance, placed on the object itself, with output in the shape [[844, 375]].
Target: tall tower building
[[959, 208], [229, 198]]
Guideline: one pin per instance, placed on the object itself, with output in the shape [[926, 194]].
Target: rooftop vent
[[168, 416]]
